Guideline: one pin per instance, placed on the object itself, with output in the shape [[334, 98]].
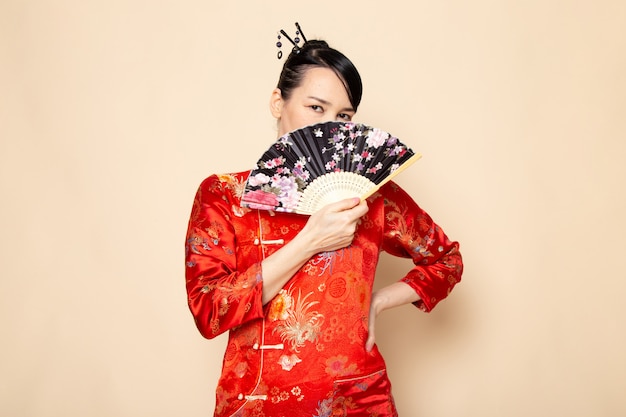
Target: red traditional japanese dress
[[303, 353]]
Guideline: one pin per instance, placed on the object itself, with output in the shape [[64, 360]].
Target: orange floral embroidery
[[280, 306]]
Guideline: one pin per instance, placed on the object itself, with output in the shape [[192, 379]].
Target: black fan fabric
[[299, 157]]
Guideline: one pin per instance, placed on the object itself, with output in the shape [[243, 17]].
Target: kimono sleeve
[[220, 293], [410, 232]]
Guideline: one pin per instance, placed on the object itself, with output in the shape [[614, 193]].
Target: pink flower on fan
[[376, 138], [275, 162], [259, 199], [375, 169], [300, 163]]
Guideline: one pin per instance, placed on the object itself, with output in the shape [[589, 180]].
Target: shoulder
[[233, 183], [396, 199], [220, 193]]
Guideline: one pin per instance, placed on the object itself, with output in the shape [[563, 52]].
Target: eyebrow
[[325, 102]]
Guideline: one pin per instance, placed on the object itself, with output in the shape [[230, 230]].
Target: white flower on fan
[[376, 138], [374, 169], [300, 163], [259, 179]]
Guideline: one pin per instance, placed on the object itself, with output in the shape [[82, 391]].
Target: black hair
[[317, 53]]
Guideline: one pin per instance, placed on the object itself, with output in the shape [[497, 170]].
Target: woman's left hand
[[374, 311], [390, 296]]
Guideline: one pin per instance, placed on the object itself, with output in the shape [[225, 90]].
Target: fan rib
[[313, 159]]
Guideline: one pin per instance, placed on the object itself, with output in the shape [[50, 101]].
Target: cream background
[[112, 112]]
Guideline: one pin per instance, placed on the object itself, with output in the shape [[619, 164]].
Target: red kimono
[[303, 353]]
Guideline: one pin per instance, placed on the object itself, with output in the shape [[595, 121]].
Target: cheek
[[290, 121]]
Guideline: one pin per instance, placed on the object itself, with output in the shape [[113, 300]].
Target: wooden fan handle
[[401, 168]]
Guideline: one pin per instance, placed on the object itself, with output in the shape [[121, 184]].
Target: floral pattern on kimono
[[303, 353]]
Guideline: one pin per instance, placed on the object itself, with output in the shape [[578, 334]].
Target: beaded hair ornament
[[295, 41], [319, 164]]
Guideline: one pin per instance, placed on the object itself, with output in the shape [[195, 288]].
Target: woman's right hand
[[333, 226]]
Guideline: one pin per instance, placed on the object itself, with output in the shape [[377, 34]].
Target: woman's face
[[321, 97]]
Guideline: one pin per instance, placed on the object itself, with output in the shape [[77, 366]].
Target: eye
[[345, 116], [316, 108]]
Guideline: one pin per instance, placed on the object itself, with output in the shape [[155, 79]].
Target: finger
[[371, 339], [343, 205], [362, 208]]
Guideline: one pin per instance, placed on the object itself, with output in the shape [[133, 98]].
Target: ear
[[276, 103]]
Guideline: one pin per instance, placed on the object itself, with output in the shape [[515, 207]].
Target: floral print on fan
[[299, 157]]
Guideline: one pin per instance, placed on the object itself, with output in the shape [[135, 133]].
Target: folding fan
[[319, 164]]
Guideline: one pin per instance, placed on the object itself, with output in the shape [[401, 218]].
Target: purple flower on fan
[[301, 173], [288, 190], [396, 150]]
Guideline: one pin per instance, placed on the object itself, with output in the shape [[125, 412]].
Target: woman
[[294, 291]]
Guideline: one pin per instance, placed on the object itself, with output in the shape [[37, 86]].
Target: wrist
[[379, 302], [302, 246]]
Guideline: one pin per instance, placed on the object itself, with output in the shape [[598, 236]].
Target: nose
[[327, 118], [331, 118]]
